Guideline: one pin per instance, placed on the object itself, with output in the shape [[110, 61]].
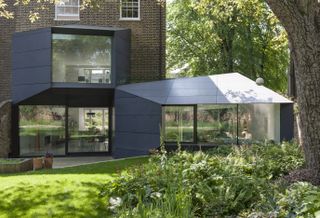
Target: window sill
[[74, 19], [130, 19]]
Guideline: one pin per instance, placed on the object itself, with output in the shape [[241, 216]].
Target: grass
[[10, 161], [69, 192]]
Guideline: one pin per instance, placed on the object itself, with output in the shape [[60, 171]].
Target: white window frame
[[131, 18], [67, 17]]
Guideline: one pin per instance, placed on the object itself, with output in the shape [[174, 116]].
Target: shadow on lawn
[[56, 199], [60, 196], [109, 167]]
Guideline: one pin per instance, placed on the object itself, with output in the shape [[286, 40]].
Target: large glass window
[[259, 122], [88, 130], [42, 130], [81, 58], [67, 10], [130, 10], [217, 124], [179, 123], [222, 124]]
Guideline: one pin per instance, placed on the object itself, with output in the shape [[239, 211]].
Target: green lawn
[[10, 161], [69, 192]]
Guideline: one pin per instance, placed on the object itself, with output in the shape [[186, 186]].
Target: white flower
[[156, 195], [115, 202]]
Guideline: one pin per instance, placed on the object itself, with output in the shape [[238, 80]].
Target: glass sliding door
[[179, 123], [41, 130], [88, 130]]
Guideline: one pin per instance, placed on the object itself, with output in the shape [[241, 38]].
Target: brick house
[[143, 21]]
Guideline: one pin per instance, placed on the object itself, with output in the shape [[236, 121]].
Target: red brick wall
[[6, 29]]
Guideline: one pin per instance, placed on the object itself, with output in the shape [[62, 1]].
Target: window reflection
[[178, 123], [81, 58], [88, 130], [222, 124], [259, 122], [217, 124], [42, 129]]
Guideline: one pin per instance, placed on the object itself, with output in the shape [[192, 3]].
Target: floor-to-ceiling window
[[179, 123], [217, 124], [259, 122], [88, 130], [42, 130], [222, 124]]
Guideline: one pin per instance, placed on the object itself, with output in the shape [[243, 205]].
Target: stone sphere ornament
[[260, 81]]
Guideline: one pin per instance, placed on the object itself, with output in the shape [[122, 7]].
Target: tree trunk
[[291, 78], [301, 21]]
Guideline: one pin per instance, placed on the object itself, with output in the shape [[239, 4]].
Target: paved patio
[[61, 162]]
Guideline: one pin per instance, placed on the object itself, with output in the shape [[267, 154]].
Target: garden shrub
[[227, 181], [300, 200], [265, 160]]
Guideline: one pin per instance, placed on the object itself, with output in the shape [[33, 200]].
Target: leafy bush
[[268, 160], [226, 181], [300, 200]]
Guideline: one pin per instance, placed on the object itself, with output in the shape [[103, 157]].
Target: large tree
[[218, 36], [301, 19]]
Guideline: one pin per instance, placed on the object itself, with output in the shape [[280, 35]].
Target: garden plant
[[245, 181]]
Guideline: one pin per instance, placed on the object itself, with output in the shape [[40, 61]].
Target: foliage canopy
[[217, 36]]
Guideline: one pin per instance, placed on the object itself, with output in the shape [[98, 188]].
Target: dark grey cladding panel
[[136, 106], [31, 63], [22, 92], [120, 94], [32, 59], [73, 97], [128, 104], [22, 76], [32, 40], [137, 124], [138, 141], [121, 55], [286, 122], [157, 91], [81, 29], [124, 152]]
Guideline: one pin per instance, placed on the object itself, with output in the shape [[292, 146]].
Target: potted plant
[[48, 160], [37, 163]]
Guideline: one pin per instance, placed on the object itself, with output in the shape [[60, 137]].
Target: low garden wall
[[16, 166], [5, 128]]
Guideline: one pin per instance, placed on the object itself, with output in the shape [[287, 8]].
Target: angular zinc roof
[[230, 88]]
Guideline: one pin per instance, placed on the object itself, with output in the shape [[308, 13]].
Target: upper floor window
[[81, 58], [67, 10], [130, 10]]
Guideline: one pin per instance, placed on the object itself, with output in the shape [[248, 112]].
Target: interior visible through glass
[[42, 130], [217, 124], [88, 130], [81, 58], [222, 124], [178, 123]]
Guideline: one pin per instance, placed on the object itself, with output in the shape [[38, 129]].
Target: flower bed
[[15, 165]]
